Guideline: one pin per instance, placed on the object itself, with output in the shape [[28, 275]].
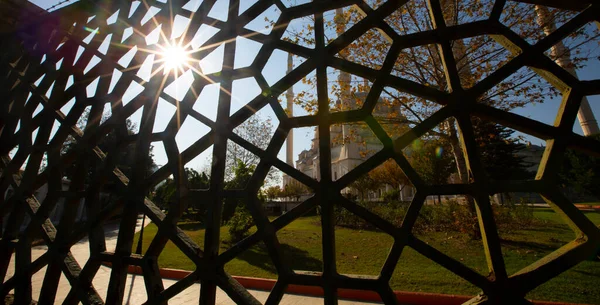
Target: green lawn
[[364, 252]]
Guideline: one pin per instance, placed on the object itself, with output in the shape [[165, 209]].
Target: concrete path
[[135, 292], [583, 207]]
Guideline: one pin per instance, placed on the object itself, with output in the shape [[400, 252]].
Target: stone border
[[404, 297], [588, 207]]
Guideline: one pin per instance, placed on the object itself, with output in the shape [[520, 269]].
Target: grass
[[364, 252]]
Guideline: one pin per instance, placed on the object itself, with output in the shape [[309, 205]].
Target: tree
[[273, 192], [476, 58], [197, 180], [581, 173], [163, 195], [258, 132], [499, 150], [110, 143], [364, 184], [241, 175], [239, 224], [389, 173], [294, 190], [433, 162]]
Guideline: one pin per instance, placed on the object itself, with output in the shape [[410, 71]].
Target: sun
[[174, 58]]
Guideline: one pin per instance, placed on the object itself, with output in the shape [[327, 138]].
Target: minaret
[[562, 56], [344, 79], [289, 148]]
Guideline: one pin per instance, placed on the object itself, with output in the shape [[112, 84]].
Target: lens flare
[[439, 151], [91, 30]]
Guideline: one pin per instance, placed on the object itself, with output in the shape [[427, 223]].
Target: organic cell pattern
[[106, 60]]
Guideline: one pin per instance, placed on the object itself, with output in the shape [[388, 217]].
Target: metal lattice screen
[[54, 61]]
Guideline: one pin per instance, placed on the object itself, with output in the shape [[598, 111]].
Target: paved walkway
[[583, 207], [135, 292]]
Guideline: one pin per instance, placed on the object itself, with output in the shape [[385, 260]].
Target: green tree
[[256, 131], [433, 162], [389, 173], [476, 58], [165, 192], [273, 192], [242, 174], [581, 173], [111, 143], [239, 224], [499, 152], [364, 184], [294, 190]]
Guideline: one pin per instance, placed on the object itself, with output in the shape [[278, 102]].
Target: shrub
[[512, 216], [393, 212], [449, 216], [524, 213], [240, 224], [391, 195]]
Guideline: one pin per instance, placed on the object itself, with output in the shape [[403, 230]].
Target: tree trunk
[[461, 166], [457, 152], [401, 188], [467, 80]]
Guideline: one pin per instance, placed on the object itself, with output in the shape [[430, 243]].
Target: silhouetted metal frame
[[19, 64]]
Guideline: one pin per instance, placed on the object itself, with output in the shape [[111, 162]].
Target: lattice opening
[[273, 71], [578, 52], [300, 243], [410, 18], [507, 154], [370, 49], [351, 145], [347, 92], [556, 289], [417, 276], [516, 16], [434, 156], [449, 227], [298, 33], [479, 57], [305, 154], [409, 61]]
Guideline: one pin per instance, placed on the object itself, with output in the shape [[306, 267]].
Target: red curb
[[404, 297], [588, 207]]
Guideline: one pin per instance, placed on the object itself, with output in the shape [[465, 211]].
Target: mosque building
[[351, 143]]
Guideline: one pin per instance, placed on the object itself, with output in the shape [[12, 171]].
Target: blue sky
[[246, 89], [46, 4]]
